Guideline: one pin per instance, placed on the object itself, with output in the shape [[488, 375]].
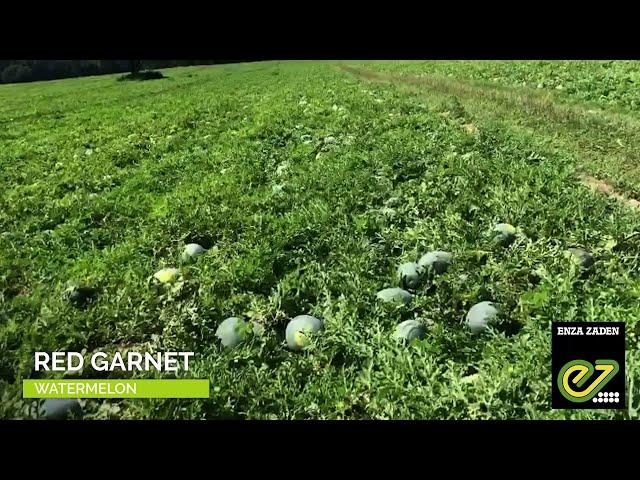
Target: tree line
[[15, 71]]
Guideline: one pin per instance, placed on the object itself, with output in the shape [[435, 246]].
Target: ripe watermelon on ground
[[233, 331], [61, 408], [167, 275], [410, 330], [504, 234], [582, 258], [395, 295], [409, 275], [299, 329], [481, 316], [192, 251], [437, 261], [80, 296]]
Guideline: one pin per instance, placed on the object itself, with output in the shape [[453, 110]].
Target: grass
[[602, 132], [310, 184]]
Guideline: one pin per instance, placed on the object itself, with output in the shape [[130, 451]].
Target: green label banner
[[115, 388]]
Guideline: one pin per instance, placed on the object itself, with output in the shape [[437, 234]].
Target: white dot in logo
[[617, 394], [600, 400], [599, 394], [616, 399], [595, 400], [606, 399]]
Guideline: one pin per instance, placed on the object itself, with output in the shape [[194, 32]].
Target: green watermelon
[[191, 251], [167, 275], [61, 408], [409, 275], [80, 296], [436, 261], [299, 329], [481, 316], [504, 234], [410, 330], [395, 295], [582, 258], [233, 331]]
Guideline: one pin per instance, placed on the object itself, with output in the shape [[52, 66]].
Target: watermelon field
[[308, 184]]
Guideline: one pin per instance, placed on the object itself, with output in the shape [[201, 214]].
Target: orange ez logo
[[575, 374]]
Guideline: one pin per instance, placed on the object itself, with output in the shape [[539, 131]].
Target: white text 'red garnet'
[[102, 362]]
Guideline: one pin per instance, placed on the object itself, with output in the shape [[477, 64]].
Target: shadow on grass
[[140, 76]]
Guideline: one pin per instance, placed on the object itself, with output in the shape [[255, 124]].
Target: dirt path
[[579, 128], [532, 102], [608, 189]]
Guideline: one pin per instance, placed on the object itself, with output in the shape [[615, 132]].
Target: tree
[[32, 70], [135, 66], [16, 73]]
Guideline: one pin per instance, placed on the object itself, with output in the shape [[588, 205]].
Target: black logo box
[[565, 348]]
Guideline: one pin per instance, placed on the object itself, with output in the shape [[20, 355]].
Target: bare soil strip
[[606, 188]]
